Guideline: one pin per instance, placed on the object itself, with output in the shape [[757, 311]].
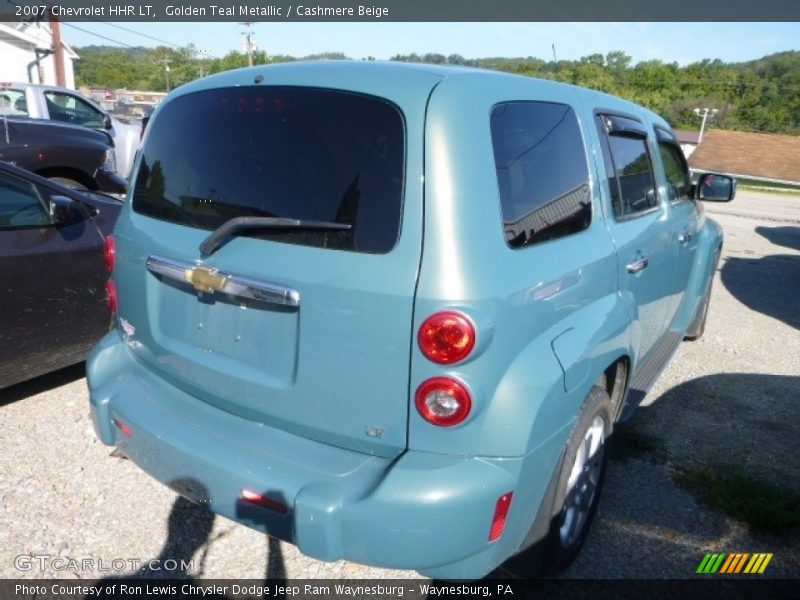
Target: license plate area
[[254, 334]]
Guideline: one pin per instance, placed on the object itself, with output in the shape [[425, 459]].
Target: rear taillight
[[443, 401], [110, 259], [446, 337], [500, 515], [110, 253], [111, 296]]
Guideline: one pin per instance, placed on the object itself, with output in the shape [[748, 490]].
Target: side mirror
[[713, 187], [65, 211], [107, 123]]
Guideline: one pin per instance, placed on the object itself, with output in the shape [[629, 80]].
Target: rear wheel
[[580, 482]]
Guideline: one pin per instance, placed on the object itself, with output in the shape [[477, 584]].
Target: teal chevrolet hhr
[[392, 313]]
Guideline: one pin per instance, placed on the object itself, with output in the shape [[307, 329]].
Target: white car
[[62, 104]]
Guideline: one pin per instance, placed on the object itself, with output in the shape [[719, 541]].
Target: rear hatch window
[[278, 151]]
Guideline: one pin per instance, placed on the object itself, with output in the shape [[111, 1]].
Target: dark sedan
[[53, 302], [77, 157]]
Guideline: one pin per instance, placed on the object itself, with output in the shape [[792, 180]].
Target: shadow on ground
[[769, 285], [184, 551], [42, 384], [787, 236]]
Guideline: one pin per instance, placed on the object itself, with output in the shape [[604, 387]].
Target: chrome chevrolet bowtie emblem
[[205, 279]]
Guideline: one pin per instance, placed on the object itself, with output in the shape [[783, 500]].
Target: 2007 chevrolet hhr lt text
[[392, 313]]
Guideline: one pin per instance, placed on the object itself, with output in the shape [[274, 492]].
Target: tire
[[70, 183], [698, 325], [580, 482]]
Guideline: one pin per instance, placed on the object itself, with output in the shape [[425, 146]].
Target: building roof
[[687, 137], [28, 36], [743, 153], [13, 36]]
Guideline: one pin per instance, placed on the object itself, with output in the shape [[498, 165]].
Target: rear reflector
[[500, 514], [111, 296], [123, 427], [259, 500]]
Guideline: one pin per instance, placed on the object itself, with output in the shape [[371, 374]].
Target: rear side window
[[71, 109], [12, 102], [541, 171], [278, 151]]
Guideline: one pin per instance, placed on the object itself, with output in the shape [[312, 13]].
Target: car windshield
[[277, 151]]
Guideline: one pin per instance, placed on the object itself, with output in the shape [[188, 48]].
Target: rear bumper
[[421, 511]]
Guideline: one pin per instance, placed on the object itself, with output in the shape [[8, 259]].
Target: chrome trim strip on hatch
[[207, 279]]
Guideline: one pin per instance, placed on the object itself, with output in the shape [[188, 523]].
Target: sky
[[683, 43]]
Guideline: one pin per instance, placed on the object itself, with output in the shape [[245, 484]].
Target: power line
[[178, 46], [124, 29], [102, 37], [141, 34]]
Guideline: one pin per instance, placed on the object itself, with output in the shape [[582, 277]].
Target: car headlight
[[109, 162]]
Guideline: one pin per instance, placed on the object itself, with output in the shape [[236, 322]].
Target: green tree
[[760, 95]]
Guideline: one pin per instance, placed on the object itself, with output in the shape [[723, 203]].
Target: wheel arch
[[613, 380], [69, 173]]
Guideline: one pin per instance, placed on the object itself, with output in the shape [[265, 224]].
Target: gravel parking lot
[[726, 404]]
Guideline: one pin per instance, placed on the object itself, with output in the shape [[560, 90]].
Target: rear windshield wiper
[[229, 228]]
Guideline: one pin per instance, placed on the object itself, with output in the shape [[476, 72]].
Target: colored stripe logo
[[731, 564]]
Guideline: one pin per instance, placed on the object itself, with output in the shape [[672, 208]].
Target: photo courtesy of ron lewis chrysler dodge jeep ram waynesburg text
[[391, 313]]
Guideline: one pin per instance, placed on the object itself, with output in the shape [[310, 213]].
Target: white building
[[26, 54], [688, 141]]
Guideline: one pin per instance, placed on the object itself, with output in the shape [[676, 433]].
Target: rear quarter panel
[[549, 316], [39, 145]]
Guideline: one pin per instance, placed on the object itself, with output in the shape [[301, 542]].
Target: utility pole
[[704, 113], [166, 62], [58, 48], [248, 42]]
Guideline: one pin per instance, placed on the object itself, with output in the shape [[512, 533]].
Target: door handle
[[638, 265], [685, 237]]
